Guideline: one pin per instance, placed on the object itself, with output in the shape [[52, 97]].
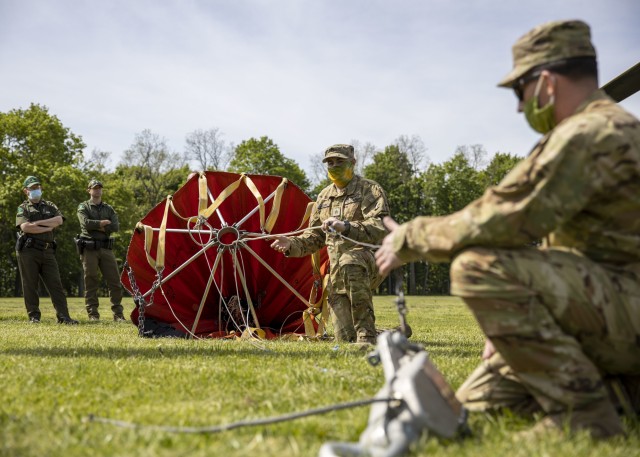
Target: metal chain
[[400, 302], [142, 305], [138, 299]]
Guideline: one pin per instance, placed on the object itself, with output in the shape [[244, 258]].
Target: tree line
[[34, 141]]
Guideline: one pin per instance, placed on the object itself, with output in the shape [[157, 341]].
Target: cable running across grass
[[244, 423]]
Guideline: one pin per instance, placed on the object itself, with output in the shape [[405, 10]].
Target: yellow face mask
[[341, 175]]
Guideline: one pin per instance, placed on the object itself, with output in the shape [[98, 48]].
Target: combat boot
[[599, 419], [67, 321], [119, 318]]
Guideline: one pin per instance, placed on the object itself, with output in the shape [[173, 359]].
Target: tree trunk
[[412, 279], [426, 278]]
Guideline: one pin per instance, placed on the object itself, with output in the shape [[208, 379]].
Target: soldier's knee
[[469, 263]]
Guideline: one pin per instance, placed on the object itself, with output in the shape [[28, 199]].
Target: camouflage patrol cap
[[549, 43], [30, 181], [340, 151], [94, 183]]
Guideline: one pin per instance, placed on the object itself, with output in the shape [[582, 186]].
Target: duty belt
[[98, 244], [39, 244]]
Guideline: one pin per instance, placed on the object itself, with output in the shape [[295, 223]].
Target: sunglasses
[[520, 84]]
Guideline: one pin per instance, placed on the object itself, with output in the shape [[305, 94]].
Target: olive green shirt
[[579, 188], [90, 216], [34, 212]]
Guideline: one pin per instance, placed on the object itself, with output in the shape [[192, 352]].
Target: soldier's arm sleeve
[[84, 217], [310, 241], [542, 192], [21, 217], [115, 223], [374, 207]]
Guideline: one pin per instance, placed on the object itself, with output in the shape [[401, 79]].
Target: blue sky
[[305, 73]]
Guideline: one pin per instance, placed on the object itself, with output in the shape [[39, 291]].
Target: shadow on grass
[[163, 352]]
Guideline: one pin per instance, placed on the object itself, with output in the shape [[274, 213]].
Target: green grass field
[[53, 377]]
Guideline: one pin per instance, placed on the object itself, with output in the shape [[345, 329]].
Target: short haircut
[[576, 68]]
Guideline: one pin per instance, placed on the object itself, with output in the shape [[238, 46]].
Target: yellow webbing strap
[[231, 188], [222, 197], [315, 263], [275, 207], [148, 241], [307, 214], [175, 211], [256, 193], [203, 196], [157, 263], [253, 332], [162, 235], [319, 307]]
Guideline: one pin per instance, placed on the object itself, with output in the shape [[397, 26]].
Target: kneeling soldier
[[97, 222]]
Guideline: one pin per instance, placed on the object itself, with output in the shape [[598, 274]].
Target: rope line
[[244, 423]]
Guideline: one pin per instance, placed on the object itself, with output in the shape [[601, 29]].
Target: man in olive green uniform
[[354, 207], [97, 222], [36, 220], [559, 316]]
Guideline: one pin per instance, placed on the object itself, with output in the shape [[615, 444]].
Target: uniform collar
[[597, 96], [348, 190]]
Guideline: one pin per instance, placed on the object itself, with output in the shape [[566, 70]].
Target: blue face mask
[[35, 194]]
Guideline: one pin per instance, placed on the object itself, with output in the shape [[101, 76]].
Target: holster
[[83, 244], [20, 242], [80, 243]]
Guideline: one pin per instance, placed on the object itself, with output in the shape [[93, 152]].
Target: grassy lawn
[[53, 377]]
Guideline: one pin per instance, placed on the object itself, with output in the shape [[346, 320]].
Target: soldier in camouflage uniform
[[36, 220], [97, 222], [560, 316], [352, 206]]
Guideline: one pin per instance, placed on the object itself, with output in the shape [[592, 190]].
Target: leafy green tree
[[262, 156], [500, 165], [392, 169], [35, 142], [451, 186]]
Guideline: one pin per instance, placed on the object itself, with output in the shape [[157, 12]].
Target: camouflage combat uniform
[[562, 314], [97, 254], [352, 267], [37, 259]]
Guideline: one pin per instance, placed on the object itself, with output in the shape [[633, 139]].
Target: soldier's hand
[[386, 258], [105, 222], [489, 349], [281, 243], [333, 223]]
